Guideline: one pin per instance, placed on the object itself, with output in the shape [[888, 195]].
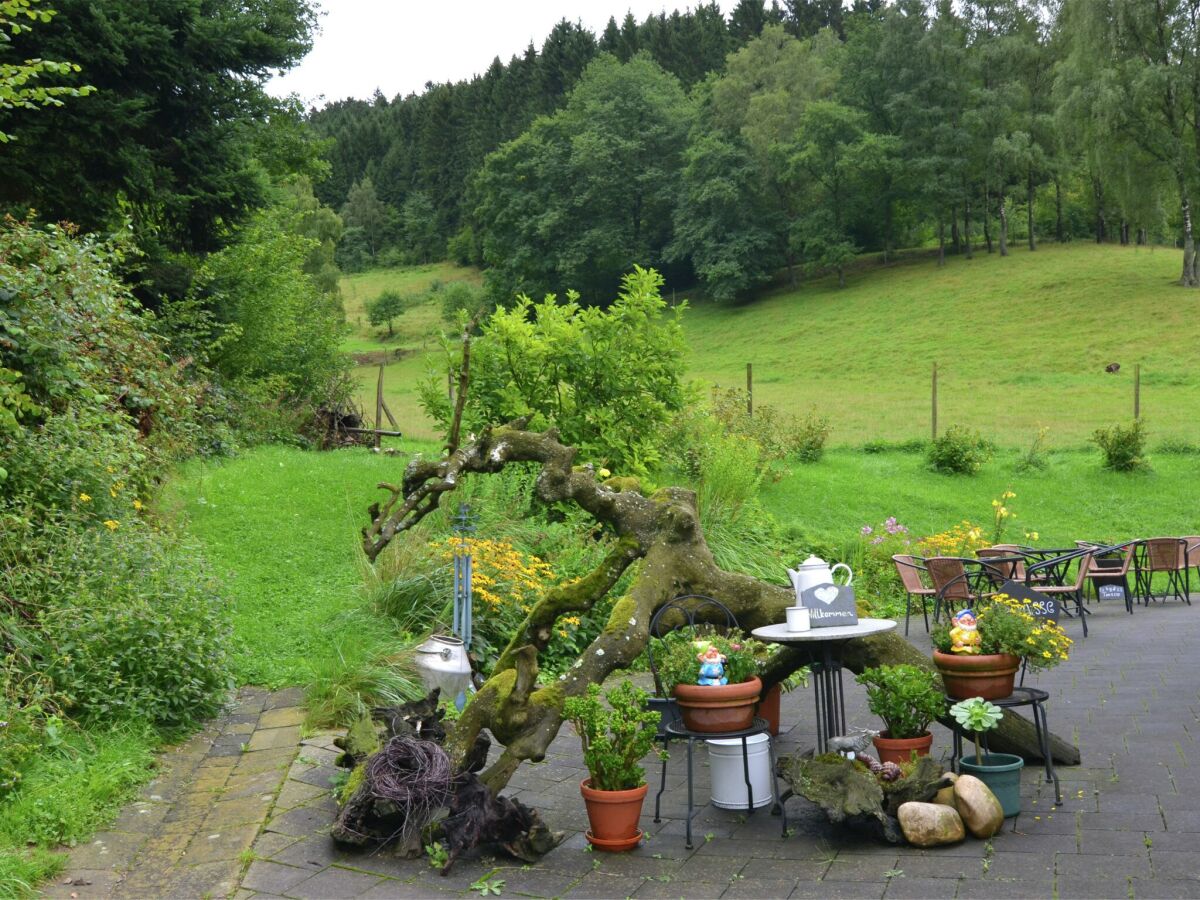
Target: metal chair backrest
[[1014, 569], [1165, 554], [684, 612], [1085, 563], [950, 578], [910, 572]]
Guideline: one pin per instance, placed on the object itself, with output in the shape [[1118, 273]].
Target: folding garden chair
[[1168, 555], [910, 576]]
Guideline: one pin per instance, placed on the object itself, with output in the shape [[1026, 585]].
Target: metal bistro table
[[826, 656]]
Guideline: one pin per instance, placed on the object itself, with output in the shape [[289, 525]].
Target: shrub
[[778, 437], [126, 622], [459, 297], [959, 451], [907, 698], [913, 445], [1034, 458], [614, 739], [1122, 447], [385, 309]]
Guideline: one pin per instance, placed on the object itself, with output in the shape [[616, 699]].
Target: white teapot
[[815, 571]]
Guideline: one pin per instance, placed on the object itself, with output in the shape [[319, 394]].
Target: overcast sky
[[398, 45]]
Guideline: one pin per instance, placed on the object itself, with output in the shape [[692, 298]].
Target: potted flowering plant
[[1001, 772], [714, 679], [615, 739], [978, 656], [907, 698]]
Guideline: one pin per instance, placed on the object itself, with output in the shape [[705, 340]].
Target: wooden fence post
[[379, 409], [1137, 391], [933, 404], [750, 390]]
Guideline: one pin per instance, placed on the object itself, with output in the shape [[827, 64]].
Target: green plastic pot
[[1001, 772]]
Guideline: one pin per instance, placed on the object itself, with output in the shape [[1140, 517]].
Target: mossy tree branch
[[660, 532]]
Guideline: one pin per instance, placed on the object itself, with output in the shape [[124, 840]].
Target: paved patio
[[242, 810]]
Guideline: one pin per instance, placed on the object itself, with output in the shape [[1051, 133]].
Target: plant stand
[[1035, 698], [675, 731]]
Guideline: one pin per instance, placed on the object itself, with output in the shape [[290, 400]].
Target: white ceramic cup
[[798, 619]]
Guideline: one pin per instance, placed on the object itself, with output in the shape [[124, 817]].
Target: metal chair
[[686, 612], [1102, 572], [1168, 555], [1191, 559], [1068, 591], [910, 576], [956, 580]]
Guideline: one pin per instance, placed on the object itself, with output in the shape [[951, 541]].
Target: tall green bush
[[1122, 447], [958, 451]]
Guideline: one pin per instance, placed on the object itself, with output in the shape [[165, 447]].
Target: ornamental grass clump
[[1005, 627], [615, 739], [906, 697]]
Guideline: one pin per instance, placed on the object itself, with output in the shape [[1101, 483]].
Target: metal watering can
[[813, 572], [442, 661]]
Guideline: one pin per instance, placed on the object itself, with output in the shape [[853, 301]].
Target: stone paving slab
[[243, 809], [190, 832]]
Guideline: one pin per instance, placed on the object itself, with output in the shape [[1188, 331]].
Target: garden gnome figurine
[[712, 667], [964, 637]]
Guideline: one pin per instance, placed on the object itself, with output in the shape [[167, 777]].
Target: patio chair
[[1102, 570], [1068, 591], [1009, 564], [1191, 559], [910, 576], [956, 580], [1168, 555]]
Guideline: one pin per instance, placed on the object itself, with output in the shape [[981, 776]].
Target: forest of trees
[[787, 137]]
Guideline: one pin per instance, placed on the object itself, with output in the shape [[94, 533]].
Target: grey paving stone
[[1165, 889], [334, 884], [273, 878], [758, 888], [1102, 866], [996, 889], [860, 867], [674, 890], [838, 890], [907, 888], [1079, 887], [604, 887]]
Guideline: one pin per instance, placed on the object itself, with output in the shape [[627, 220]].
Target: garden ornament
[[814, 572], [850, 745], [964, 636], [712, 667]]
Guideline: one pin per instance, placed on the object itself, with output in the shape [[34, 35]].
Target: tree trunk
[[1060, 231], [1098, 194], [662, 531], [1003, 225], [1124, 233], [941, 243], [1190, 277], [1141, 237], [967, 228], [955, 237], [987, 220], [841, 270], [1029, 198]]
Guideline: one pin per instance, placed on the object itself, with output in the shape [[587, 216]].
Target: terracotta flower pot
[[613, 816], [901, 750], [989, 676], [712, 708], [768, 708]]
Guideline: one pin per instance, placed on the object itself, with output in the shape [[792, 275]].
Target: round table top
[[780, 635]]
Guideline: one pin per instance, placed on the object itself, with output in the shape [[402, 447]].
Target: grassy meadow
[[1020, 343]]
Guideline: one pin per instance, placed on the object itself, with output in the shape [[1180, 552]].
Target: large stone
[[978, 806], [930, 824], [946, 795]]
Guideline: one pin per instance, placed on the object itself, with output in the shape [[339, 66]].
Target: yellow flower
[[112, 524], [85, 498], [137, 504]]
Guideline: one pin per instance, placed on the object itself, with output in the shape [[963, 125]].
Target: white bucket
[[728, 774]]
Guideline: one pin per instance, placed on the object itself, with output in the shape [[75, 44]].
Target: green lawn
[[1020, 343], [1073, 497], [281, 527]]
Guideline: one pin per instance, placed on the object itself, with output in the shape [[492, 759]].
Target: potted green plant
[[615, 739], [1001, 772], [907, 698], [979, 654], [713, 679]]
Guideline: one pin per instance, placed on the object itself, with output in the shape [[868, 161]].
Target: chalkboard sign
[[1111, 592], [830, 605], [1040, 606]]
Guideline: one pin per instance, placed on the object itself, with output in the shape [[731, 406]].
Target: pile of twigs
[[415, 776]]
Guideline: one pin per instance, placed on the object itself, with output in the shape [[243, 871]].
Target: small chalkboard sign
[[1111, 592], [1040, 606], [830, 605]]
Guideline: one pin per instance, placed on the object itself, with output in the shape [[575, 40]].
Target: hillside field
[[1020, 342]]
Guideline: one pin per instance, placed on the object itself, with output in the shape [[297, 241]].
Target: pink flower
[[878, 540], [866, 529]]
